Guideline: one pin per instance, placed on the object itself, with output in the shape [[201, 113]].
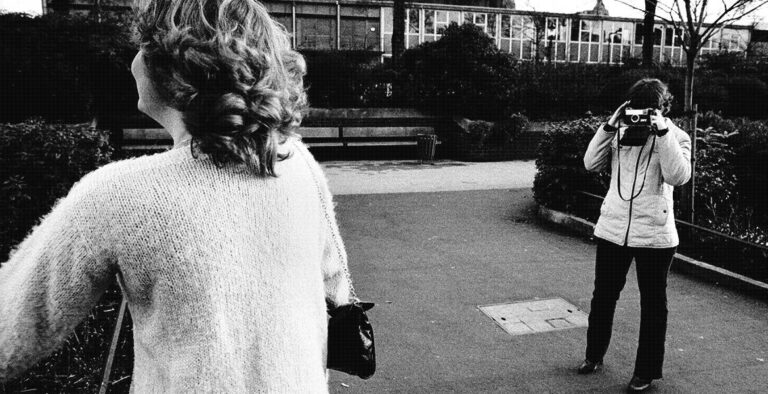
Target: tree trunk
[[690, 65], [398, 30], [648, 32], [687, 190]]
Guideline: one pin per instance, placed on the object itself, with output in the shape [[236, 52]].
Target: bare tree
[[688, 16], [648, 32], [398, 30]]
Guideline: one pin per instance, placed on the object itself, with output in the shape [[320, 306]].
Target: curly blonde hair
[[229, 68]]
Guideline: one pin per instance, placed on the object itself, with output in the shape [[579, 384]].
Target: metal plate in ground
[[530, 317]]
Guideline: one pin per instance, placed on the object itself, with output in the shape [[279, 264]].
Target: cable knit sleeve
[[334, 256], [49, 284]]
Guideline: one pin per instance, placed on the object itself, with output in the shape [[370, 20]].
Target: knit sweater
[[226, 274]]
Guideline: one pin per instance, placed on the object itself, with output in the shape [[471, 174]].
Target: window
[[478, 19], [586, 41], [506, 26], [555, 36], [413, 21], [639, 35], [429, 22], [491, 30], [436, 21], [617, 40]]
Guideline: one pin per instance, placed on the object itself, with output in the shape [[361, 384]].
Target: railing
[[700, 228]]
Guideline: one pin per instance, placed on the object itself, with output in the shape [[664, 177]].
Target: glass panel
[[515, 50], [552, 29], [574, 55], [359, 34], [315, 32], [575, 29], [480, 19], [491, 25], [668, 34], [528, 32], [386, 16], [584, 36], [413, 21], [595, 52], [505, 26], [516, 22], [596, 31], [469, 17], [388, 42], [560, 53], [441, 17], [527, 45], [413, 40], [678, 37], [616, 54], [584, 56], [639, 35], [429, 21], [505, 44], [657, 35], [454, 17], [627, 34]]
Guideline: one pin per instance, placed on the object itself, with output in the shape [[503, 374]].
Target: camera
[[637, 117], [639, 126]]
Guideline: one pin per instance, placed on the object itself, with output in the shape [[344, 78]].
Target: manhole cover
[[528, 317]]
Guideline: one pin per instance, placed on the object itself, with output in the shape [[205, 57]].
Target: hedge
[[39, 163], [731, 159]]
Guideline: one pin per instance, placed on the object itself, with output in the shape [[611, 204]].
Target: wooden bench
[[141, 134]]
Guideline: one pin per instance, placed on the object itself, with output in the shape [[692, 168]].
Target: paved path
[[429, 259], [374, 177]]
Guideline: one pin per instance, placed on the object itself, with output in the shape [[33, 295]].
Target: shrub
[[750, 160], [560, 168], [338, 79], [39, 163], [51, 66], [479, 140], [716, 179], [463, 74]]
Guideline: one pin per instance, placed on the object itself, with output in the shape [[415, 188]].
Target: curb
[[681, 263]]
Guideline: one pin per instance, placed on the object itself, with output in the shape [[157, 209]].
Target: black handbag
[[350, 340]]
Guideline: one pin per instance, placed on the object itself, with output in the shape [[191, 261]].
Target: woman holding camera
[[648, 156]]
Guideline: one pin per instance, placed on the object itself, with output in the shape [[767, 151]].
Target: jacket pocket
[[660, 211]]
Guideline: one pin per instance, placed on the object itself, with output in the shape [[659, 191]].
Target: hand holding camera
[[640, 123]]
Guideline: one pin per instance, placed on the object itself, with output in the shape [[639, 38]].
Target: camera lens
[[634, 118]]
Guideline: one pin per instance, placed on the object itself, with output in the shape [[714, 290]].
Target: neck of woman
[[173, 122]]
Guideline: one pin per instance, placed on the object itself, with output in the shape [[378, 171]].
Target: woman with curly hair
[[226, 247]]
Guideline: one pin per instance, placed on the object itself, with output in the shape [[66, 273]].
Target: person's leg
[[611, 266], [652, 269]]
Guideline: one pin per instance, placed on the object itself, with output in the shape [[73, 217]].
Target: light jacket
[[646, 221]]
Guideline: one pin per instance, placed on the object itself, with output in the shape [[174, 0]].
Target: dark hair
[[650, 93], [229, 68]]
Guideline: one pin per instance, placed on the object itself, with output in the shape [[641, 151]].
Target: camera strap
[[632, 194]]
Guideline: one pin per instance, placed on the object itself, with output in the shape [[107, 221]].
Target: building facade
[[367, 25], [589, 37]]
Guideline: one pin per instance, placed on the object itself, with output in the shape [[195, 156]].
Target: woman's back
[[223, 271]]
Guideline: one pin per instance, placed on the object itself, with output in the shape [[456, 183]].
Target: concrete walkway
[[375, 177], [429, 259]]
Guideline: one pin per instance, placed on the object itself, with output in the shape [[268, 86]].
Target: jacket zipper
[[629, 223]]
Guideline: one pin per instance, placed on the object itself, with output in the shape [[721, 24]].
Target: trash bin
[[426, 145]]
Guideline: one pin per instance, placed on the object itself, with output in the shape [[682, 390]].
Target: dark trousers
[[611, 267]]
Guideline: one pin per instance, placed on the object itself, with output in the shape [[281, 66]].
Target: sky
[[615, 7]]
